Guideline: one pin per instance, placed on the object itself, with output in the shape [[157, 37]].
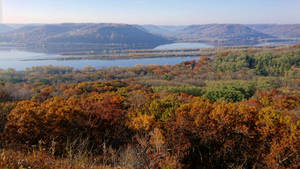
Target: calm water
[[183, 46], [14, 59]]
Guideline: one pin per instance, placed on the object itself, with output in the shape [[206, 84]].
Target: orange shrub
[[99, 117]]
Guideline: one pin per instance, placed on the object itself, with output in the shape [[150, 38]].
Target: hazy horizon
[[154, 12]]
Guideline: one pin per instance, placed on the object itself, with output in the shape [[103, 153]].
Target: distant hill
[[280, 31], [17, 26], [108, 33], [5, 28], [167, 31], [227, 31], [78, 37], [37, 33], [221, 31], [82, 37]]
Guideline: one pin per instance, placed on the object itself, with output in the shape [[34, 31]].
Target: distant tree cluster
[[265, 64]]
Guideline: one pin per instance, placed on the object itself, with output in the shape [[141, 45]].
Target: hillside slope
[[221, 31], [167, 31], [5, 28], [280, 31], [70, 37], [107, 33]]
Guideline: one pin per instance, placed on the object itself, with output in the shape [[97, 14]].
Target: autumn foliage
[[239, 109], [175, 130]]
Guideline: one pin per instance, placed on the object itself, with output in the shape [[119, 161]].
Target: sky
[[159, 12]]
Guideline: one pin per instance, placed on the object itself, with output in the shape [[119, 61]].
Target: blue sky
[[161, 12]]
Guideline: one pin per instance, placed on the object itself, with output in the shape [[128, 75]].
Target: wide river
[[15, 59]]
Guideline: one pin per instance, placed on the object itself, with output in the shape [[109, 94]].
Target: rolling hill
[[165, 30], [221, 31], [279, 31], [70, 37], [5, 28], [37, 33], [77, 37], [108, 33], [227, 31]]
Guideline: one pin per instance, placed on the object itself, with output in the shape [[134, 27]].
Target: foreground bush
[[99, 117]]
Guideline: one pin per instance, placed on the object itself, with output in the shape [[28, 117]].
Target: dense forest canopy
[[236, 109]]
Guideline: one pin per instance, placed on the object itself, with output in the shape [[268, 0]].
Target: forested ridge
[[236, 109], [96, 38]]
